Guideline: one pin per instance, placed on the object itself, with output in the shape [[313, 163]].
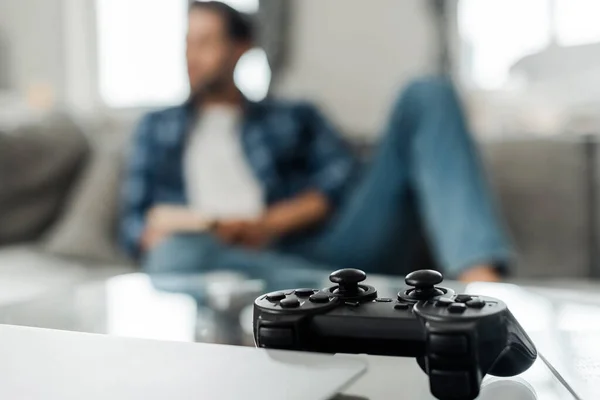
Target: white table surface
[[38, 364], [401, 378], [564, 322], [42, 364]]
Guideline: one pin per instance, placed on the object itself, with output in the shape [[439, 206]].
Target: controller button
[[463, 298], [424, 282], [443, 302], [476, 303], [319, 297], [275, 296], [456, 382], [341, 292], [289, 303], [401, 306], [383, 300], [457, 308], [304, 292], [276, 337], [348, 276], [425, 278], [448, 344], [347, 280]]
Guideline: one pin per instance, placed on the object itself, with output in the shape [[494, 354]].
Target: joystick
[[348, 286], [424, 282], [456, 339], [347, 280]]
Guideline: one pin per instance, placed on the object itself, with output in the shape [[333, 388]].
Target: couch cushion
[[543, 188], [88, 227], [38, 164]]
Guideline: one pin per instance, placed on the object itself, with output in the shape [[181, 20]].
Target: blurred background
[[75, 76], [96, 57]]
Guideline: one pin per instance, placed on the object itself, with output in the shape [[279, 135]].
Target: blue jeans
[[427, 165]]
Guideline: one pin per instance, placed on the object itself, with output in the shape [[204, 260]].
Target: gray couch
[[547, 193], [59, 193], [58, 200]]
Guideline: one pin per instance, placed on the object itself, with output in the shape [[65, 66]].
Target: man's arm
[[292, 215], [330, 166], [281, 219], [136, 195]]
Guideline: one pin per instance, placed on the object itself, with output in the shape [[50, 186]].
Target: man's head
[[217, 37]]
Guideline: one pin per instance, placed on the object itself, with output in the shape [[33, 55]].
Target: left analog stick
[[347, 280]]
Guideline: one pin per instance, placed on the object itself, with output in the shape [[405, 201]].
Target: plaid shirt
[[290, 147]]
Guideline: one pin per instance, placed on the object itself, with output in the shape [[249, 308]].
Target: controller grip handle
[[451, 360], [458, 355], [518, 355]]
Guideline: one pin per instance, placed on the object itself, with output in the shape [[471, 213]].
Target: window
[[141, 49], [497, 33], [577, 22], [141, 53]]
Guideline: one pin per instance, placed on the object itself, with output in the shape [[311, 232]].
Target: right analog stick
[[424, 282]]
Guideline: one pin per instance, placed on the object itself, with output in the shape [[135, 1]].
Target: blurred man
[[264, 188]]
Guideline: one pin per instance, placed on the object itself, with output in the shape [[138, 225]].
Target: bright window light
[[141, 50], [253, 74], [245, 6], [141, 54], [577, 22], [134, 308], [497, 33]]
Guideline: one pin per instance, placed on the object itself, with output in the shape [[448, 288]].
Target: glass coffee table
[[133, 305], [170, 307], [564, 323]]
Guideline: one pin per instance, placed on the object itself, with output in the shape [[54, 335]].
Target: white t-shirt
[[219, 181]]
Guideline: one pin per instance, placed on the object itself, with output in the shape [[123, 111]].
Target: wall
[[81, 93], [4, 78], [31, 32], [352, 56]]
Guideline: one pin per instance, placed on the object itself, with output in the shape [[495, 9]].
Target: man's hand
[[258, 234], [229, 232], [293, 215], [165, 220], [281, 219], [481, 273], [152, 238], [252, 234], [173, 219]]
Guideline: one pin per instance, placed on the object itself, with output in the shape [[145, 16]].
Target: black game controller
[[457, 339]]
